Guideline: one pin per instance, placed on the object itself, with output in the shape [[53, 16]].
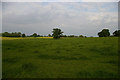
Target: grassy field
[[62, 58]]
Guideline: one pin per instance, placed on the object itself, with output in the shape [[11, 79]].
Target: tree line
[[19, 34], [57, 33], [106, 33]]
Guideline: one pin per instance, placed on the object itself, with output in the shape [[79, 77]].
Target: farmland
[[91, 57]]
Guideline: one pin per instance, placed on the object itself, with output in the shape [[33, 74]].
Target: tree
[[23, 35], [56, 33], [13, 34], [104, 33], [63, 35], [34, 35], [81, 36], [19, 34], [0, 34], [5, 34], [49, 35], [116, 33], [71, 36], [38, 35]]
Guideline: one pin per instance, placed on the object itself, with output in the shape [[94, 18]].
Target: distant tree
[[23, 35], [41, 35], [34, 35], [19, 34], [49, 35], [44, 36], [63, 35], [81, 36], [104, 33], [0, 34], [56, 33], [38, 35], [116, 33], [5, 34], [13, 34], [71, 36]]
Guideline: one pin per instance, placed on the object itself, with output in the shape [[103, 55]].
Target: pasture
[[61, 58]]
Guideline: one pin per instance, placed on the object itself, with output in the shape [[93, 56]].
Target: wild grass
[[62, 58]]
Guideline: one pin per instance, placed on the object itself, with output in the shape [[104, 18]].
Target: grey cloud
[[60, 0], [70, 17]]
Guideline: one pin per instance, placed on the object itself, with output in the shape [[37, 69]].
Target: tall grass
[[62, 58]]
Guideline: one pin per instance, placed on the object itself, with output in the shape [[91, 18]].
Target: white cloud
[[100, 0], [0, 17], [72, 18], [60, 0], [41, 0]]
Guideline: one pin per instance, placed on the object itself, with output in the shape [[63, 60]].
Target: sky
[[60, 0], [0, 17], [73, 18]]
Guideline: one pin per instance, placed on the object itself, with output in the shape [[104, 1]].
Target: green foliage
[[56, 33], [0, 34], [104, 33], [81, 36], [23, 35], [116, 33], [17, 34], [13, 34], [62, 58], [35, 35], [63, 35], [49, 35], [71, 36]]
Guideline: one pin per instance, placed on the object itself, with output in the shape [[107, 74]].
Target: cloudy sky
[[78, 18], [60, 0]]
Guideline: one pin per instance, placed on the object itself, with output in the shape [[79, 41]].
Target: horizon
[[62, 34]]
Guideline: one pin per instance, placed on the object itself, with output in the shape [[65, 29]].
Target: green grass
[[62, 58]]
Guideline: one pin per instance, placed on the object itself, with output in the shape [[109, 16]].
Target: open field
[[62, 58]]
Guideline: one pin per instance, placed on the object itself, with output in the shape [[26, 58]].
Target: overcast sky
[[78, 18], [60, 0]]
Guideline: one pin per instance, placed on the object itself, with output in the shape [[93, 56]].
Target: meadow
[[91, 57]]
